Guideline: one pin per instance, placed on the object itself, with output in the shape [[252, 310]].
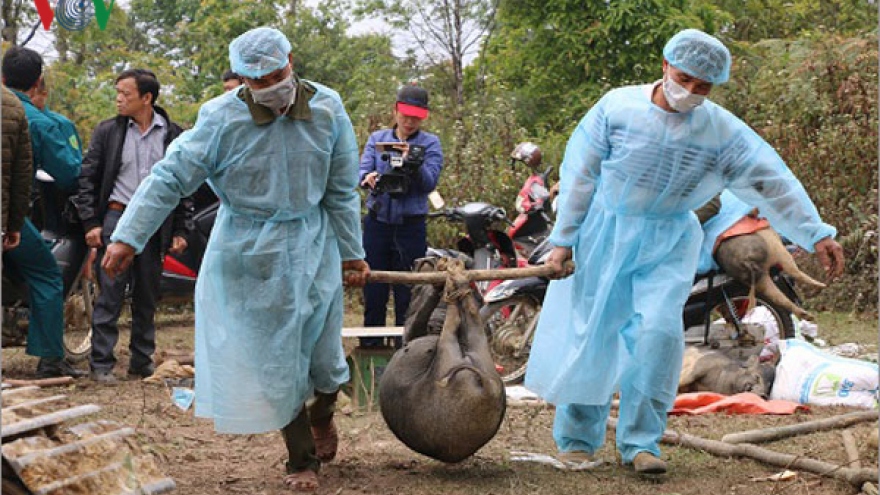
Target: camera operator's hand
[[370, 180], [403, 148]]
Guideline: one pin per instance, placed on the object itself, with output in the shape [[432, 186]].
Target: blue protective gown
[[631, 176], [269, 294]]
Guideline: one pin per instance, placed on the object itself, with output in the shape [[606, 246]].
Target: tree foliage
[[557, 57], [443, 33], [815, 101], [755, 20], [805, 77]]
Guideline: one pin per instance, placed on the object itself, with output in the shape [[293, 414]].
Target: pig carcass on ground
[[708, 370]]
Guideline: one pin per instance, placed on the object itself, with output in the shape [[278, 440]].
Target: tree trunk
[[852, 452], [855, 477], [769, 434]]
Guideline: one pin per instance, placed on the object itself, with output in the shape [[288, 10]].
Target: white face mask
[[679, 98], [278, 96]]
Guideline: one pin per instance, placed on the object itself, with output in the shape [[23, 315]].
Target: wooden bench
[[366, 364], [348, 332]]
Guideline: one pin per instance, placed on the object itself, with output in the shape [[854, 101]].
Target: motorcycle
[[717, 307], [486, 247], [533, 224], [67, 243], [180, 271]]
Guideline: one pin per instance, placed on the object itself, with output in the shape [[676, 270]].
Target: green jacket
[[68, 129], [52, 150], [17, 163]]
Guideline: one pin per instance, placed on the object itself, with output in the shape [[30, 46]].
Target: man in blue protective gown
[[281, 154], [634, 169]]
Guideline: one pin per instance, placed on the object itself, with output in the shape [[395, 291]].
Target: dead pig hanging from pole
[[441, 395]]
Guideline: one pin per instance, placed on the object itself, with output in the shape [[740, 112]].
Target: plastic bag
[[808, 375]]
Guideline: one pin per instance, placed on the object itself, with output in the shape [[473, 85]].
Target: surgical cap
[[259, 52], [700, 55]]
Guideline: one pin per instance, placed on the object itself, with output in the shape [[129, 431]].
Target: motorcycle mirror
[[44, 176], [436, 200]]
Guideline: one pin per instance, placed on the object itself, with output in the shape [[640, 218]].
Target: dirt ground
[[372, 461]]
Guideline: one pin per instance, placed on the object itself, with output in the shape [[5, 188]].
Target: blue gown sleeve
[[579, 174], [185, 167], [756, 174], [341, 200]]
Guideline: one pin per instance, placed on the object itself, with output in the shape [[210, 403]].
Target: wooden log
[[855, 477], [439, 277], [181, 357], [775, 433], [852, 452], [43, 382]]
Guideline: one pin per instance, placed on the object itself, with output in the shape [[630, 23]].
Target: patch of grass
[[838, 328]]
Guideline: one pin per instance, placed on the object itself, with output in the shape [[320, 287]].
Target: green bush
[[815, 101]]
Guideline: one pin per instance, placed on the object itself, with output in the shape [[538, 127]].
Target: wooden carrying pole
[[769, 434], [855, 477], [439, 277], [42, 382]]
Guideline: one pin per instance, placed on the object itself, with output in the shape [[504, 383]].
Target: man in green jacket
[[53, 211], [32, 259]]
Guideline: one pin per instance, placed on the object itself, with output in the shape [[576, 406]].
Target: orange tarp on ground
[[744, 403]]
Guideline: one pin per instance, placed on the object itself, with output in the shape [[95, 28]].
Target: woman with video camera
[[400, 166]]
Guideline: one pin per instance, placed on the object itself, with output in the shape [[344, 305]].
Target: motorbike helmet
[[528, 153]]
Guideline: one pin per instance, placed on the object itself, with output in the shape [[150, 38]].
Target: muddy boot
[[647, 463], [57, 367]]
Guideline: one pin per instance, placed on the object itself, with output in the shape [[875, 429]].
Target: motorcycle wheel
[[78, 310], [739, 297], [510, 329]]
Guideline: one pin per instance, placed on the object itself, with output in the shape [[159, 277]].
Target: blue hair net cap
[[259, 52], [700, 55]]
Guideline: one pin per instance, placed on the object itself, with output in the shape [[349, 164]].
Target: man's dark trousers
[[391, 247], [145, 274]]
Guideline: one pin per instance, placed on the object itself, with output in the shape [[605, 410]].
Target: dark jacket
[[101, 167], [17, 163]]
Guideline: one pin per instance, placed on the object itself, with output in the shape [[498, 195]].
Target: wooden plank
[[19, 391], [52, 418], [156, 487], [372, 332], [34, 402], [19, 463], [42, 382]]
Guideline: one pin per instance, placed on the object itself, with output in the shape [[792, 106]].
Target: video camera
[[396, 182]]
